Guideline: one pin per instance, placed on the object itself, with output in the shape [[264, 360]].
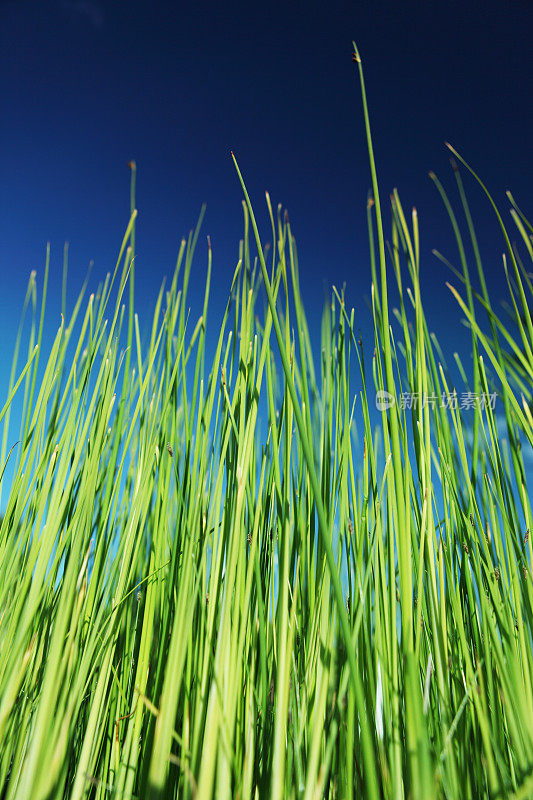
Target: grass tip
[[453, 150]]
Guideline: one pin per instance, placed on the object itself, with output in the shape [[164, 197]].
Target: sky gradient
[[87, 86]]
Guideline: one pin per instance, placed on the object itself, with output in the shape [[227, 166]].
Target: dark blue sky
[[87, 85]]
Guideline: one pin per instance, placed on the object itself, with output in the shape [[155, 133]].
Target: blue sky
[[87, 86]]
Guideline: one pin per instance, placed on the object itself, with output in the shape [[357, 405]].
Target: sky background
[[87, 86]]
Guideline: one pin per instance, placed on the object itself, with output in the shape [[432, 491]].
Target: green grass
[[207, 589]]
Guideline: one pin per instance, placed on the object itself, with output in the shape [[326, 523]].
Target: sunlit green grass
[[208, 589]]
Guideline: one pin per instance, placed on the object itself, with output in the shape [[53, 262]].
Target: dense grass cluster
[[193, 604]]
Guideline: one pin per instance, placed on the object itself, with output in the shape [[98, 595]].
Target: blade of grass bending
[[324, 527]]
